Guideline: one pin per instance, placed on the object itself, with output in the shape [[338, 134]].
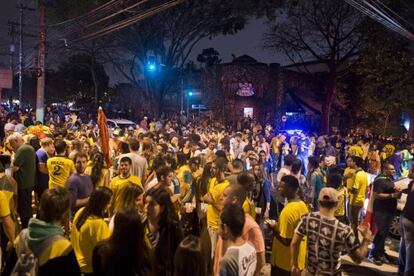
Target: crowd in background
[[180, 196]]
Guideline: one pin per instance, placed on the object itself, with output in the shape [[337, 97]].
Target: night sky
[[248, 41]]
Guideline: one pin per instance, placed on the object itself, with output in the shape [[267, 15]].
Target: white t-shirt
[[239, 260]]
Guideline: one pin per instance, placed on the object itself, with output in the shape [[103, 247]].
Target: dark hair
[[34, 142], [221, 154], [181, 159], [194, 160], [237, 191], [60, 146], [170, 160], [125, 159], [296, 166], [288, 160], [133, 144], [313, 162], [334, 180], [126, 249], [237, 164], [97, 166], [246, 180], [163, 171], [328, 204], [358, 161], [54, 204], [96, 205], [291, 182], [123, 147], [168, 215], [189, 259], [205, 179], [158, 161], [221, 164], [234, 218], [80, 155]]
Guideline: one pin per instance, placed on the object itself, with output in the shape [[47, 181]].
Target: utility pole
[[12, 49], [40, 70], [21, 56]]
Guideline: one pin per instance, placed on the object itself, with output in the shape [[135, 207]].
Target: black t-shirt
[[409, 205], [384, 185]]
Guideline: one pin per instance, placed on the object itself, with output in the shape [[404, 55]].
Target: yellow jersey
[[349, 181], [118, 184], [249, 208], [60, 168], [4, 205], [84, 240], [356, 151], [288, 220], [216, 191], [360, 185]]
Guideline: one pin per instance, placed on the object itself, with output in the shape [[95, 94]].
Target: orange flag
[[104, 135]]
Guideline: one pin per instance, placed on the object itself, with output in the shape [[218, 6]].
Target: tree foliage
[[169, 37], [74, 81], [317, 30]]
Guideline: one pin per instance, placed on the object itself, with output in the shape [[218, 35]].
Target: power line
[[129, 21]]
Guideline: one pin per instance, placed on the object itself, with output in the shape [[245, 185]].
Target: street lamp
[[189, 94]]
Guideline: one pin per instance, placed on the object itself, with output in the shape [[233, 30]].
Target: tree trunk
[[326, 108]]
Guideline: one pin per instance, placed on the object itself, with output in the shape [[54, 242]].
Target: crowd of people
[[185, 197]]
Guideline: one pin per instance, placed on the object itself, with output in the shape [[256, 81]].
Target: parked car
[[395, 229], [120, 123]]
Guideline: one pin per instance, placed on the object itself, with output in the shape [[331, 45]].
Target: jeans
[[24, 207], [275, 161], [383, 221], [305, 161], [406, 251]]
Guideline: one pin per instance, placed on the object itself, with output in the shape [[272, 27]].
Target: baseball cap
[[328, 195]]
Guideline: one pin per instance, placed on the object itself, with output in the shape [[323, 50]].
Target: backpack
[[28, 263]]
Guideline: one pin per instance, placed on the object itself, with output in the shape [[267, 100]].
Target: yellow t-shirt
[[216, 191], [60, 169], [118, 184], [288, 220], [342, 194], [249, 208], [349, 181], [105, 173], [361, 185], [389, 149], [4, 205], [92, 231], [356, 151]]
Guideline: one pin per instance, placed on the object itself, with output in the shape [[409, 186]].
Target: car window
[[111, 124]]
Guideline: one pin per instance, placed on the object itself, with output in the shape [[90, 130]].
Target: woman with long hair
[[189, 259], [132, 196], [125, 252], [89, 227], [98, 170], [164, 232], [262, 193]]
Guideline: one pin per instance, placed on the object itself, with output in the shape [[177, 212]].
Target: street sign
[[198, 106]]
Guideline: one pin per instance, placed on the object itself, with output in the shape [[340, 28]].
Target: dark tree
[[74, 81], [318, 30]]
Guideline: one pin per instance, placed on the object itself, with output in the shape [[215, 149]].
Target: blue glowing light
[[151, 67], [292, 131], [407, 124], [190, 93]]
